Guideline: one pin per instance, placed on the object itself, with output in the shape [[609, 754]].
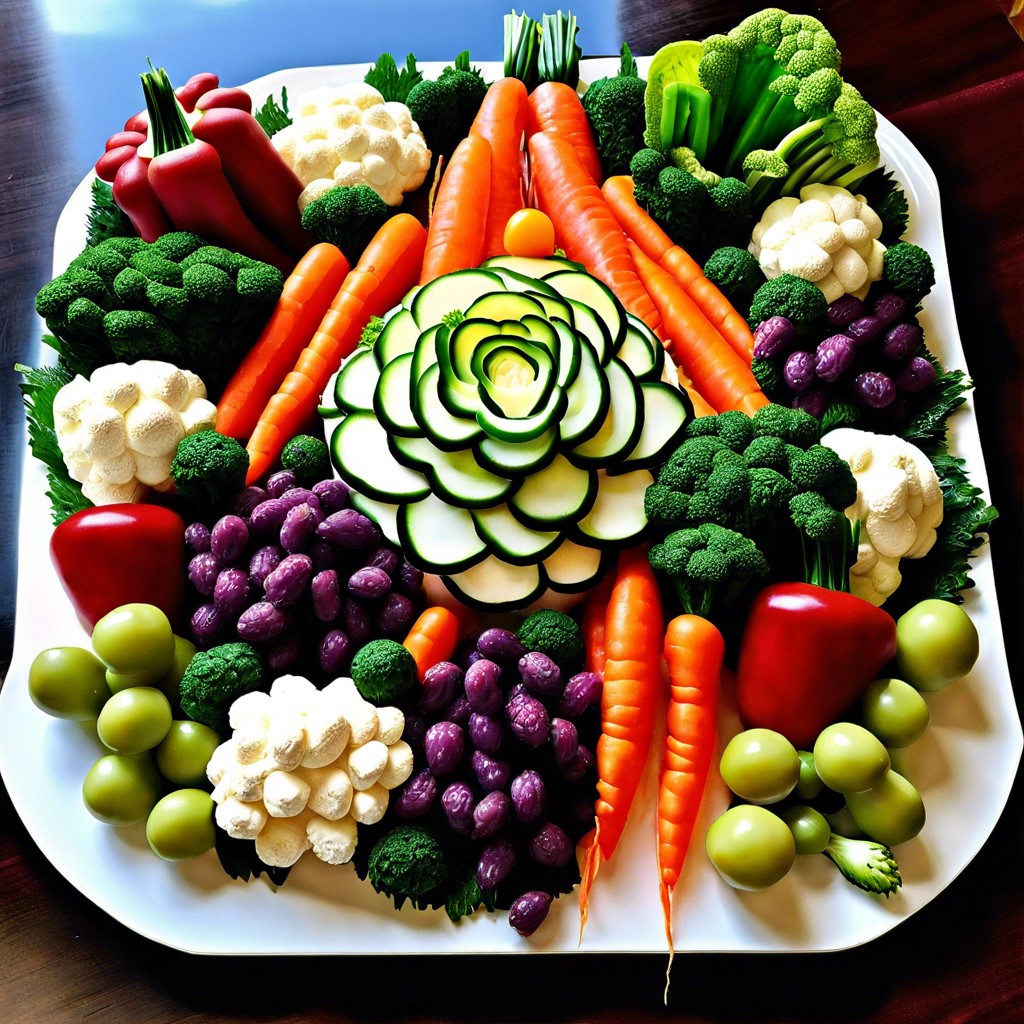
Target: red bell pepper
[[121, 554], [806, 655]]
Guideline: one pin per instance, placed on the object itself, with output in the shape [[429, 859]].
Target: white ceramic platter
[[964, 765]]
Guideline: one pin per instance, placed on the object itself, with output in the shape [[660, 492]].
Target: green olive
[[936, 644], [809, 784], [121, 789], [134, 720], [895, 712], [891, 812], [811, 831], [760, 765], [185, 751], [135, 638], [181, 825], [848, 758], [68, 682], [750, 847]]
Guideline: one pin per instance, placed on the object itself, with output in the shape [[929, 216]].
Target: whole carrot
[[306, 296], [694, 650], [556, 107], [592, 625], [501, 120], [455, 232], [584, 224], [634, 632], [387, 269]]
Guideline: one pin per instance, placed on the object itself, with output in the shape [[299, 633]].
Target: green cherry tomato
[[848, 758], [135, 639], [184, 651], [809, 784], [68, 682], [895, 712], [118, 681], [134, 720], [936, 644], [760, 765], [811, 831], [750, 847], [891, 812], [181, 825], [121, 789], [185, 751]]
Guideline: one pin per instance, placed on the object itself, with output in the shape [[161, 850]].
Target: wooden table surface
[[951, 75]]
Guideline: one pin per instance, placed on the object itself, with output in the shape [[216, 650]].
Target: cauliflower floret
[[899, 506], [827, 236]]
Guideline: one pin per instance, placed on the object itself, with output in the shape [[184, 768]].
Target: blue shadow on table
[[99, 47]]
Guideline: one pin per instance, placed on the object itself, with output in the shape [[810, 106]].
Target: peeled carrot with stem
[[556, 107], [584, 224], [634, 633], [501, 120], [714, 368], [307, 295], [458, 219], [645, 231], [433, 637], [387, 269], [694, 650]]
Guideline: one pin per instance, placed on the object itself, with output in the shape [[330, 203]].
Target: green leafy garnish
[[392, 84], [273, 116], [238, 859], [927, 426], [106, 219], [467, 898]]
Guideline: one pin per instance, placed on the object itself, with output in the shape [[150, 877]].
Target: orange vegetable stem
[[307, 295], [387, 269], [556, 107], [458, 221], [501, 121]]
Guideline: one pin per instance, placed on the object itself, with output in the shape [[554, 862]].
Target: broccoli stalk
[[868, 865]]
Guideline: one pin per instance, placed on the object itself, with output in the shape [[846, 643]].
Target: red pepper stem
[[168, 128]]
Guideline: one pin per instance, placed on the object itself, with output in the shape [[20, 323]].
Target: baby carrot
[[307, 295], [634, 631], [694, 650], [387, 269], [433, 637]]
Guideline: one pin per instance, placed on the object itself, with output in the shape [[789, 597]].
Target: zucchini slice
[[450, 292], [558, 494], [588, 400], [667, 411], [439, 537], [538, 267], [517, 458], [494, 585], [392, 398], [456, 476], [617, 516], [573, 568], [449, 432], [356, 382], [399, 334], [510, 540], [622, 425], [359, 448], [595, 295], [641, 350]]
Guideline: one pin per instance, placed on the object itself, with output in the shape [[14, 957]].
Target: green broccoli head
[[821, 469], [383, 670], [665, 507], [736, 273], [217, 677], [730, 213], [444, 107], [793, 426], [615, 110], [908, 269], [308, 458], [347, 216], [733, 428], [553, 633], [209, 468], [787, 295], [691, 463], [407, 863], [816, 518], [644, 166]]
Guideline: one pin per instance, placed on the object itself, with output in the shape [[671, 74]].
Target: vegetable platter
[[963, 765]]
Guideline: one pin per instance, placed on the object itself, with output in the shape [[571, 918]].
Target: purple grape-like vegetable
[[501, 645], [369, 582], [485, 732], [207, 622], [798, 370], [416, 796], [395, 615], [844, 310], [439, 685], [581, 692], [333, 495], [357, 620], [889, 308], [902, 341], [350, 529], [529, 795], [540, 674], [228, 538], [773, 336], [483, 687], [862, 330], [325, 591], [279, 482], [530, 721], [915, 375], [231, 592], [444, 746], [299, 527], [814, 401], [268, 516], [874, 389], [203, 570], [529, 911], [262, 621], [197, 538], [335, 651], [564, 740], [492, 773], [833, 357], [457, 802], [551, 846], [497, 860], [289, 580], [247, 499]]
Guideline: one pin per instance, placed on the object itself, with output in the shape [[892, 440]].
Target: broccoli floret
[[179, 245], [736, 273], [347, 216], [407, 863], [822, 469], [793, 426], [134, 334], [204, 282], [215, 678], [308, 458], [209, 468], [691, 463], [787, 295], [383, 670], [665, 507], [644, 166], [868, 865], [553, 633], [615, 109], [733, 428], [444, 107], [908, 269], [707, 566], [730, 213], [828, 538]]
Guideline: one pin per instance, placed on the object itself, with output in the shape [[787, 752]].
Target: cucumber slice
[[424, 355], [392, 398], [356, 382], [450, 292], [596, 295], [456, 476], [516, 459], [541, 292], [558, 494], [449, 432], [592, 330], [569, 352], [502, 305], [494, 585], [515, 377], [667, 411], [359, 448], [574, 568], [456, 358], [527, 427], [617, 516], [641, 351], [588, 400], [383, 513], [531, 266], [622, 425], [510, 540], [398, 335], [439, 537]]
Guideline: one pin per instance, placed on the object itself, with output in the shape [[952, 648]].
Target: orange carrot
[[717, 372], [584, 224], [556, 107], [595, 611], [634, 631], [305, 298], [455, 233], [694, 650], [433, 637], [701, 406], [501, 120], [387, 269], [640, 226]]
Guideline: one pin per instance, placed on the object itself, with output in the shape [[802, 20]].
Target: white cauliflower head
[[118, 430], [349, 135], [828, 236], [899, 505]]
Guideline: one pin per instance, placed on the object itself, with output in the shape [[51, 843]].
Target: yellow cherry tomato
[[529, 233]]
